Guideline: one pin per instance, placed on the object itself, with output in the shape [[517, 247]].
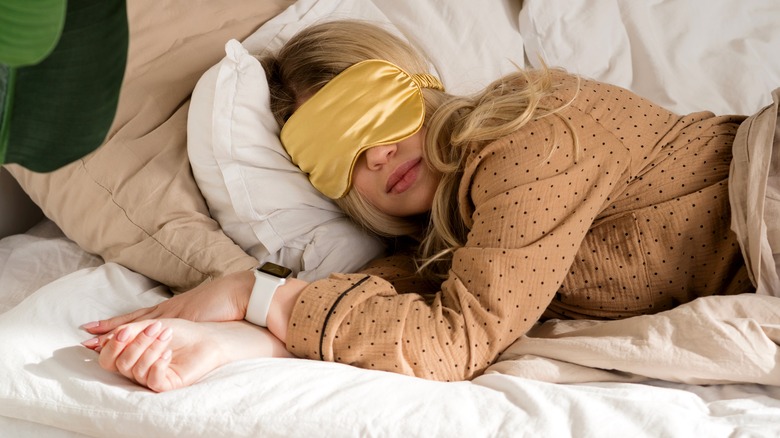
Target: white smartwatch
[[268, 278]]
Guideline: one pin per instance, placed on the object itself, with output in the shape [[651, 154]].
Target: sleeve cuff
[[308, 327]]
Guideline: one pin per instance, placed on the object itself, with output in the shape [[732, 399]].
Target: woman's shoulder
[[585, 92], [556, 86], [565, 84], [554, 76]]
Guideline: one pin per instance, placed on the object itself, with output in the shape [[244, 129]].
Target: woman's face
[[395, 179]]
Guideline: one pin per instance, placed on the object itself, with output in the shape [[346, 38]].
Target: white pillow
[[263, 201], [726, 60]]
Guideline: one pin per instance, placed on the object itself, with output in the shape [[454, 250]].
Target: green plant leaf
[[7, 79], [29, 30], [62, 107]]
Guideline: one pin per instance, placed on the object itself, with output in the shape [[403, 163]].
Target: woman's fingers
[[140, 351], [151, 355], [110, 350], [161, 377], [107, 325], [122, 350], [224, 299], [171, 353], [127, 361]]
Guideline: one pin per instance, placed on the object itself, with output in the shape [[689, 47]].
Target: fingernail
[[122, 335], [89, 343], [90, 325], [166, 334], [153, 329], [166, 355]]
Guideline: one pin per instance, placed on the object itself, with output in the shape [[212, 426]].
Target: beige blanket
[[754, 192], [712, 340]]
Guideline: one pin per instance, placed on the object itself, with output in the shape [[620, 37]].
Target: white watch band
[[260, 300]]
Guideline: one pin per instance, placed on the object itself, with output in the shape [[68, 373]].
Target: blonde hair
[[455, 124]]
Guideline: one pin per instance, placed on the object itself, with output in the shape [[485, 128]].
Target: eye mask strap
[[424, 80]]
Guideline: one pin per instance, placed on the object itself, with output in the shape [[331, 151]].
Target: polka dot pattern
[[632, 220]]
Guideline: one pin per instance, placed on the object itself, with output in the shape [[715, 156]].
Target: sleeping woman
[[546, 195]]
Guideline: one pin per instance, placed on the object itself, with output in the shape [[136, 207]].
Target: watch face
[[275, 270]]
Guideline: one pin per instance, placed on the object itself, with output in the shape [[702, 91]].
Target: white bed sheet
[[52, 381], [50, 386]]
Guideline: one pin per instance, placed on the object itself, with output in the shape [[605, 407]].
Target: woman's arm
[[165, 354], [224, 299], [172, 353]]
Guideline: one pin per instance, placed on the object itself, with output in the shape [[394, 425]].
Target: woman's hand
[[173, 353], [224, 299]]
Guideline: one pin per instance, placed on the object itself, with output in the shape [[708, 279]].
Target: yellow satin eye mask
[[371, 103]]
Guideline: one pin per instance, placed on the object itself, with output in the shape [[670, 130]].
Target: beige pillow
[[134, 200]]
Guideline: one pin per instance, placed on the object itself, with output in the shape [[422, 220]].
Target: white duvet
[[660, 375], [49, 379]]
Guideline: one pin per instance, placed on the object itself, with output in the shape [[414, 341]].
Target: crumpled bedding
[[50, 380], [754, 192], [711, 340]]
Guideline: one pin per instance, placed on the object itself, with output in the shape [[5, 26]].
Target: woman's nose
[[378, 156]]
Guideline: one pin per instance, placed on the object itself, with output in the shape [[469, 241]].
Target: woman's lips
[[403, 176]]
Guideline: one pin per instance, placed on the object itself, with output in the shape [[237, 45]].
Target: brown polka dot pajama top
[[633, 220]]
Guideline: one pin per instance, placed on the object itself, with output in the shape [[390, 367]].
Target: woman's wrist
[[242, 290], [282, 305], [238, 340]]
